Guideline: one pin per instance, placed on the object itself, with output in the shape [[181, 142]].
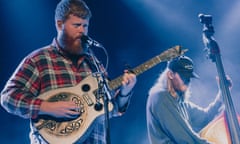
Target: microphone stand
[[102, 92]]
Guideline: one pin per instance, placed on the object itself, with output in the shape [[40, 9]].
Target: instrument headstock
[[210, 43]]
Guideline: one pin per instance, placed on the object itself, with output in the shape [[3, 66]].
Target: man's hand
[[128, 82], [228, 82], [60, 109]]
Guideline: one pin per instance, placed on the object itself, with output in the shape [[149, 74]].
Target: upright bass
[[225, 129]]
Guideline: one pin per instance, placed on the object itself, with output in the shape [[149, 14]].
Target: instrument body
[[217, 131], [68, 131]]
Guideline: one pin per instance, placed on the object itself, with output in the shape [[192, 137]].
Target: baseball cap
[[184, 66]]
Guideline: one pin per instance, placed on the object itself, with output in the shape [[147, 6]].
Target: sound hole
[[85, 88]]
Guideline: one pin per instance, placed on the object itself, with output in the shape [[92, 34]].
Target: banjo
[[64, 131]]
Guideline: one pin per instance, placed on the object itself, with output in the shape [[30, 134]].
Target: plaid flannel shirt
[[43, 70]]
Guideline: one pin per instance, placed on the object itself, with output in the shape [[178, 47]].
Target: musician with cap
[[171, 117]]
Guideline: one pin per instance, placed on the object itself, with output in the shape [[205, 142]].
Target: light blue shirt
[[171, 120]]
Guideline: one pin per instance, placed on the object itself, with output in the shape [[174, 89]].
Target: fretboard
[[165, 56]]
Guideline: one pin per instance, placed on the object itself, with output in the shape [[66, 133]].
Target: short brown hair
[[72, 7]]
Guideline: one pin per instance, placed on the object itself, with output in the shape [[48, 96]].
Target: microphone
[[90, 42]]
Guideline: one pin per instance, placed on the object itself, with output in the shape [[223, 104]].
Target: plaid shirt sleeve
[[19, 95]]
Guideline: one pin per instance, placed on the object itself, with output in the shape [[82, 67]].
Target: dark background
[[132, 31]]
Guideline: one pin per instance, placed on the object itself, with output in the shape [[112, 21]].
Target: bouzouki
[[66, 131]]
